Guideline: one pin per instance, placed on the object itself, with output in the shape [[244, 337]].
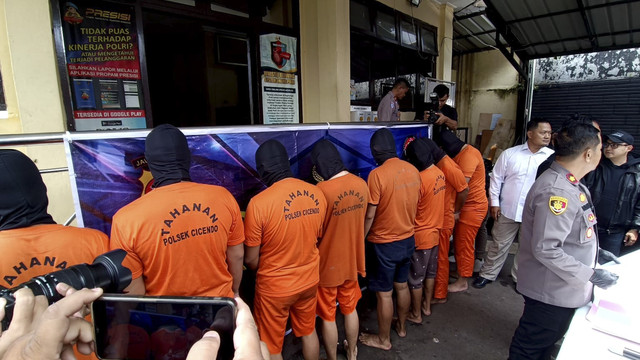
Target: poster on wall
[[102, 57], [279, 82], [280, 98]]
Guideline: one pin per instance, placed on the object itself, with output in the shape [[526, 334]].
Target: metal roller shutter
[[615, 104]]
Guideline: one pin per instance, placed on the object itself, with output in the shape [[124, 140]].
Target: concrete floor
[[475, 324]]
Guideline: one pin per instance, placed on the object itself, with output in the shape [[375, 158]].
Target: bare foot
[[426, 311], [438, 301], [402, 332], [414, 319], [458, 286], [350, 356], [373, 340]]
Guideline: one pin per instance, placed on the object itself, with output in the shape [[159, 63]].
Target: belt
[[612, 230]]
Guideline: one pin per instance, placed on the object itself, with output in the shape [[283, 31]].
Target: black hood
[[327, 159], [168, 155], [419, 154], [272, 162], [437, 153], [450, 143], [24, 196], [383, 146]]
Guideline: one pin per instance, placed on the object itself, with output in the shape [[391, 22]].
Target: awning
[[532, 29]]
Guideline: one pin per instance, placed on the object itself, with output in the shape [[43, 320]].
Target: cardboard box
[[502, 136], [484, 139], [357, 116]]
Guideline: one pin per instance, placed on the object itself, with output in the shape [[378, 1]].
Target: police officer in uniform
[[559, 245]]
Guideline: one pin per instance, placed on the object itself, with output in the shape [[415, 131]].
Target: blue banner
[[109, 170]]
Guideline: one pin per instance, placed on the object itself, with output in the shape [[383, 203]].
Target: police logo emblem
[[145, 178], [583, 197], [558, 205], [591, 217], [279, 54]]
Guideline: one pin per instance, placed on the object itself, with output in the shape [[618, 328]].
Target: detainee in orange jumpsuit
[[394, 191], [341, 247], [455, 196], [31, 243], [475, 207], [282, 226], [424, 262]]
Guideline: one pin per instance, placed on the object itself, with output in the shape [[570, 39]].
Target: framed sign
[[99, 57], [279, 79]]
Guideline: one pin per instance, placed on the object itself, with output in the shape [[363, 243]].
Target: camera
[[434, 104], [106, 272]]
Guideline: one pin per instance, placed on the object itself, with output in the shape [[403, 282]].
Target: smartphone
[[160, 327]]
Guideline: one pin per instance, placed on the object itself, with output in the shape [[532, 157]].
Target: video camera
[[434, 104], [106, 272]]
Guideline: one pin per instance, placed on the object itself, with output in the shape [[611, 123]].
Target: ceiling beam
[[577, 38], [470, 15], [568, 11], [576, 52], [583, 13], [503, 30], [510, 57]]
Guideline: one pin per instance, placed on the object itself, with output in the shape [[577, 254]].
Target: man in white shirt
[[513, 175]]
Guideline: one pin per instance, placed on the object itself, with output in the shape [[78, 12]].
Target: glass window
[[428, 41], [411, 78], [378, 58], [383, 86], [386, 26], [359, 16], [362, 90], [423, 84], [409, 36]]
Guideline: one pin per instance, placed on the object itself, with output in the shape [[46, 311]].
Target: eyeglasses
[[612, 145]]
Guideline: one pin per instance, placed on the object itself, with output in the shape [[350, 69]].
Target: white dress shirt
[[513, 175]]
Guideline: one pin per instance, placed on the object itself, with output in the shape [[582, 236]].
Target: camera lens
[[106, 272]]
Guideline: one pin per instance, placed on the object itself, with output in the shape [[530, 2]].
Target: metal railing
[[31, 139]]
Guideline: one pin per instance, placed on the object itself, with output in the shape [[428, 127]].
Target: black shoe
[[480, 282]]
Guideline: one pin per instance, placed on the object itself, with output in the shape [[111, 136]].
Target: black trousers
[[541, 325], [611, 242]]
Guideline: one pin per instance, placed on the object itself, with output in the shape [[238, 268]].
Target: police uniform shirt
[[388, 108], [559, 243]]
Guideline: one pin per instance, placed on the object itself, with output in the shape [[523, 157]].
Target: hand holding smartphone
[[146, 327]]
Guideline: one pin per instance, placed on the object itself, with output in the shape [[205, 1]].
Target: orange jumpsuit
[[342, 245], [474, 210], [174, 232], [286, 220], [456, 183]]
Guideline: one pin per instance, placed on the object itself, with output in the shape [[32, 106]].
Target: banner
[[108, 171], [103, 64]]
